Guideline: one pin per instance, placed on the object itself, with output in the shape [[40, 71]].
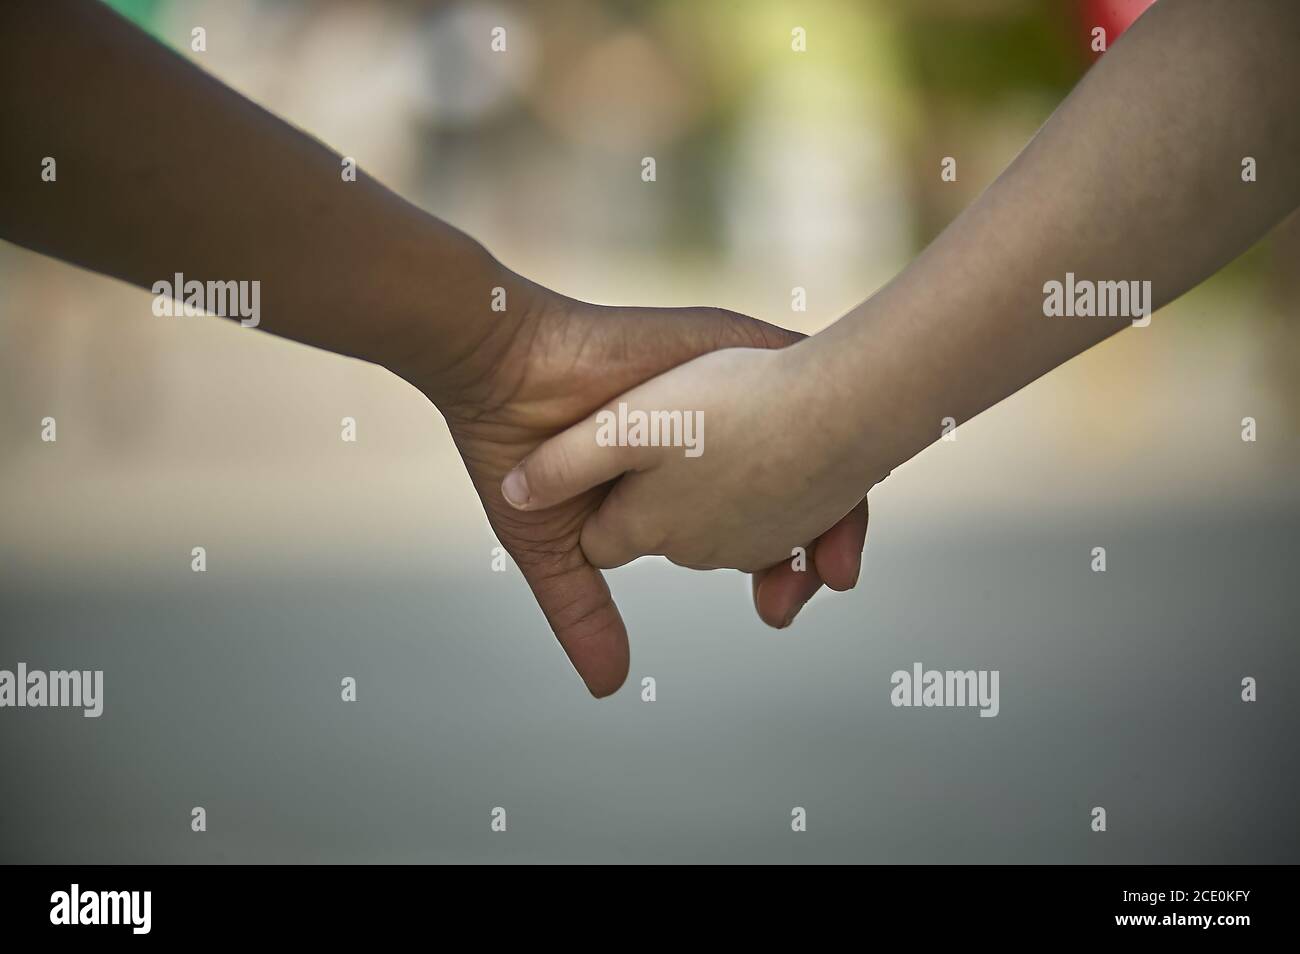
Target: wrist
[[457, 316], [834, 401]]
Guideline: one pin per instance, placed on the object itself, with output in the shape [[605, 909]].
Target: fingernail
[[515, 489]]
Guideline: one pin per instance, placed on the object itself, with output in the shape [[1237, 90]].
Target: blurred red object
[[1113, 16]]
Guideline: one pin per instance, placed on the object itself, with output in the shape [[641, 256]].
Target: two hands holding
[[545, 369], [1136, 176]]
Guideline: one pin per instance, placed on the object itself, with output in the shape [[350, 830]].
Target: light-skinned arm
[[1136, 177]]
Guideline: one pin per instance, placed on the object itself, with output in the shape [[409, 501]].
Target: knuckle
[[645, 535], [599, 545], [550, 469]]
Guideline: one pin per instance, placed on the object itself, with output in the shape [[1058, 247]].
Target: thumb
[[568, 464]]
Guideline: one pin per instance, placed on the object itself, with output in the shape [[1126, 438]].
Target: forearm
[[1137, 176], [161, 169]]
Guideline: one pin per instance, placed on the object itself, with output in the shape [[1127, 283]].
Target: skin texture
[[563, 360], [756, 497], [1137, 176], [346, 266]]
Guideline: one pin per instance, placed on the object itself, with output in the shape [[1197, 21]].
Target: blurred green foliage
[[975, 58]]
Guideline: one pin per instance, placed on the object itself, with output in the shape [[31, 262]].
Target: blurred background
[[326, 559]]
